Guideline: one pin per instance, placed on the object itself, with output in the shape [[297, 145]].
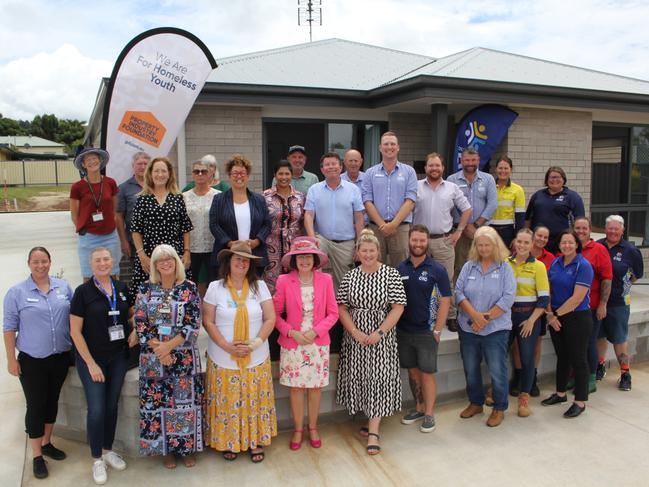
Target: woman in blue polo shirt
[[38, 310], [570, 321], [554, 206]]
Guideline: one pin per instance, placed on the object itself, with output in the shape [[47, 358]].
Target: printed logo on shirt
[[424, 276], [496, 275], [560, 198], [618, 257]]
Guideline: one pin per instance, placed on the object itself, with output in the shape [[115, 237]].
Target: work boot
[[470, 411], [495, 418], [523, 405]]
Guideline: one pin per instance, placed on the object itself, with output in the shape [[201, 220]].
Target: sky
[[53, 53]]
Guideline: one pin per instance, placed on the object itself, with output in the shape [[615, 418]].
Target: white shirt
[[201, 239], [242, 215], [218, 295]]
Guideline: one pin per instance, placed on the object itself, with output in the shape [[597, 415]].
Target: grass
[[24, 193]]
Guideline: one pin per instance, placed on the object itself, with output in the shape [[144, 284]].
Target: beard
[[417, 252]]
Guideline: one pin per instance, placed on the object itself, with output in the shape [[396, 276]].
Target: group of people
[[393, 259]]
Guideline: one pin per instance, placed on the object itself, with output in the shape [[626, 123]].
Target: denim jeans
[[103, 399], [493, 348], [526, 348]]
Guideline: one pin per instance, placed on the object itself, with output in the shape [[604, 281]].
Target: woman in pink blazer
[[306, 298]]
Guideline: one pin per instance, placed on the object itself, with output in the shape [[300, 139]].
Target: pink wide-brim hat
[[305, 245]]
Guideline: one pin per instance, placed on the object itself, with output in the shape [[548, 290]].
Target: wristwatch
[[437, 332]]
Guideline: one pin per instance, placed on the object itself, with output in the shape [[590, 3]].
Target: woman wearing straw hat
[[93, 201], [307, 297], [238, 316]]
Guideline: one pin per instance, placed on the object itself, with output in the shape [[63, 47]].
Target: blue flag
[[483, 128]]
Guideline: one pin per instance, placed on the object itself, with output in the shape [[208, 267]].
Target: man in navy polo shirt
[[418, 331], [627, 267]]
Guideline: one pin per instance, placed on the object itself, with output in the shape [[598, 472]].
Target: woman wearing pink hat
[[307, 297]]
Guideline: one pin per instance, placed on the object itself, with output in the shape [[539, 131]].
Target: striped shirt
[[511, 201], [532, 285]]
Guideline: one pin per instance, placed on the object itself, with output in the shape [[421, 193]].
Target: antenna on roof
[[307, 13]]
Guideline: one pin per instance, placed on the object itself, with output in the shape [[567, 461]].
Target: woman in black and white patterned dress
[[159, 217], [371, 299]]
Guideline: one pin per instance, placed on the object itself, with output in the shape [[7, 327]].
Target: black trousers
[[42, 379], [571, 346]]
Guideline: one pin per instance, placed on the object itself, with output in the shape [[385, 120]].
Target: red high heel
[[314, 443], [296, 445]]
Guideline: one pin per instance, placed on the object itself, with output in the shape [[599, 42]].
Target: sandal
[[230, 456], [257, 456], [317, 443], [296, 445], [189, 461], [373, 449], [169, 461], [363, 431]]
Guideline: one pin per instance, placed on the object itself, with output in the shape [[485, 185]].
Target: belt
[[340, 241], [523, 308], [390, 221], [503, 226], [439, 235]]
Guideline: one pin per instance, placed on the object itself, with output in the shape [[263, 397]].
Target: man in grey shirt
[[126, 198], [480, 190]]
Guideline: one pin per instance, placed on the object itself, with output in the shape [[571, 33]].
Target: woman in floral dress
[[286, 208], [308, 299], [168, 318]]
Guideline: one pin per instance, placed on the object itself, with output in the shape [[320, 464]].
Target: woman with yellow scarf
[[238, 315]]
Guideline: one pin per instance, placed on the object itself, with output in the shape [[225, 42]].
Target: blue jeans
[[102, 399], [493, 348], [526, 348]]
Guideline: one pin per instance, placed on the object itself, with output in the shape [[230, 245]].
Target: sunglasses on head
[[200, 171]]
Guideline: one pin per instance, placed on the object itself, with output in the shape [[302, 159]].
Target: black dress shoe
[[554, 399], [574, 411], [53, 452], [39, 467]]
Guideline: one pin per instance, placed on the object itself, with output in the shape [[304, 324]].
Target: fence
[[44, 173]]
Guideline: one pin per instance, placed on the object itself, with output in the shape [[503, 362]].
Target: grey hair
[[164, 250], [614, 218], [210, 161], [140, 154]]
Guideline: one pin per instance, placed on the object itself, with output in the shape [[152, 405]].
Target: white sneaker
[[99, 474], [114, 460]]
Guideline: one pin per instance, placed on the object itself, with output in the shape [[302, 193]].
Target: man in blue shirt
[[389, 196], [419, 329], [627, 268], [333, 215], [480, 189]]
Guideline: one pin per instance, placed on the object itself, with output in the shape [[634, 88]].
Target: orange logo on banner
[[143, 126]]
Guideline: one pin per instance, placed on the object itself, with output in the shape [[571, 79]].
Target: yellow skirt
[[239, 408]]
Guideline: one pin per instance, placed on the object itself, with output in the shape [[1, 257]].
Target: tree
[[9, 126]]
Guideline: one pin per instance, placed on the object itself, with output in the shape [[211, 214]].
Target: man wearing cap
[[126, 198], [436, 201], [480, 189], [353, 162], [333, 214], [302, 180], [419, 329], [389, 195]]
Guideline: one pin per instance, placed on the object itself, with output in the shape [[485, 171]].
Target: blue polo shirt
[[424, 285], [627, 266], [563, 280], [555, 211], [388, 192], [334, 209]]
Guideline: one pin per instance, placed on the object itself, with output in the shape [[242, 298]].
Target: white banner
[[154, 84]]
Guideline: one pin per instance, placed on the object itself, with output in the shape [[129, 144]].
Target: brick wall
[[540, 138], [413, 130], [223, 131]]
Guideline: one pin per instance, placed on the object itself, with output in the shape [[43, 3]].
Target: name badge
[[32, 300], [165, 309], [116, 332], [97, 217], [61, 296], [164, 330], [495, 276], [471, 278], [405, 278], [113, 312]]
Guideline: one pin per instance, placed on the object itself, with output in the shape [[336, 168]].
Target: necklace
[[305, 283]]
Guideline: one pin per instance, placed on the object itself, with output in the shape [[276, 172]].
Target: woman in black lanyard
[[93, 201], [101, 332]]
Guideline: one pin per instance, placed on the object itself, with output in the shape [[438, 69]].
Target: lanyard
[[101, 192], [112, 300]]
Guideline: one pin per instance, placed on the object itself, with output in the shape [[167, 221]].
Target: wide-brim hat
[[238, 248], [102, 154], [305, 245]]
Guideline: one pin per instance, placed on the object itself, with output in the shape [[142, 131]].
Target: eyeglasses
[[196, 172], [238, 174]]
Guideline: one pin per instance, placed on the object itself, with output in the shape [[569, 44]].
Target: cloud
[[63, 82]]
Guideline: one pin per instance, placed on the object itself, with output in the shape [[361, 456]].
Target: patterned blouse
[[198, 209]]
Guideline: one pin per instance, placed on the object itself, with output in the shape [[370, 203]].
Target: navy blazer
[[223, 223]]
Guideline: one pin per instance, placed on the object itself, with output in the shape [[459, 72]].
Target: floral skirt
[[239, 408], [306, 366]]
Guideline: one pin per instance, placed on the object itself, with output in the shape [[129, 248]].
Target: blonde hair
[[165, 250], [172, 186], [500, 252], [99, 249], [367, 236]]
